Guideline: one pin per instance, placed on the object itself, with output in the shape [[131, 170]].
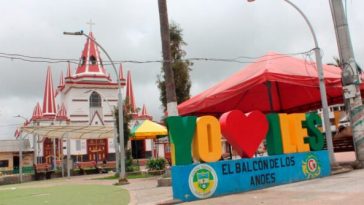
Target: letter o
[[207, 141]]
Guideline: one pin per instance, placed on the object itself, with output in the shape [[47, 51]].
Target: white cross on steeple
[[90, 23]]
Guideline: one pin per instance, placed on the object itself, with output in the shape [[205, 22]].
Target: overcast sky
[[129, 30]]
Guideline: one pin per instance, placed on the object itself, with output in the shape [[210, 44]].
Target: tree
[[127, 118], [339, 63], [181, 68]]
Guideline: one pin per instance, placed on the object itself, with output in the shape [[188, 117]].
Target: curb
[[170, 202], [340, 170]]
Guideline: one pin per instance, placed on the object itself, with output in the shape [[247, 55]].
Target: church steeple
[[144, 115], [61, 80], [49, 104], [69, 70], [37, 112], [62, 113], [144, 111], [130, 93], [91, 65]]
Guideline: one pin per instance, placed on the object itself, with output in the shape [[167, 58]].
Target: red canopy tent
[[274, 83]]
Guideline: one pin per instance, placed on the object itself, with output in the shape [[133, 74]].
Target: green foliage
[[181, 68], [156, 164], [339, 63], [128, 161]]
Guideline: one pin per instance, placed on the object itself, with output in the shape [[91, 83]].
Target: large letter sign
[[181, 131], [315, 139], [244, 133], [207, 140], [274, 139], [294, 144]]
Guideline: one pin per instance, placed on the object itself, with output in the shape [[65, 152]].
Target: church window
[[92, 60], [95, 100]]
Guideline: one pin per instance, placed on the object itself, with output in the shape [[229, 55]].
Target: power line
[[41, 59]]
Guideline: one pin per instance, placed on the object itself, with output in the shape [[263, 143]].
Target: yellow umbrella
[[147, 130]]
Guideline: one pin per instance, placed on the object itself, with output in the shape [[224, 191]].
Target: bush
[[129, 161], [156, 164]]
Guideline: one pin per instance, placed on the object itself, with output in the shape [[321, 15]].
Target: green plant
[[180, 66], [129, 161], [156, 164]]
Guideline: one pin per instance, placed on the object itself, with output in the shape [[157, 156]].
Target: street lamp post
[[325, 108], [122, 177], [21, 142]]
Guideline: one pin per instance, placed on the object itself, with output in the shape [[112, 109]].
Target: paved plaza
[[346, 188]]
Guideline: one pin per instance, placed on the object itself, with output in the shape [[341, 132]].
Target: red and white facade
[[84, 97]]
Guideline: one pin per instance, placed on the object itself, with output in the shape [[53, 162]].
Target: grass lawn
[[64, 194]]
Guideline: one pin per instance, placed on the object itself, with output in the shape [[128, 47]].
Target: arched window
[[92, 60], [95, 99]]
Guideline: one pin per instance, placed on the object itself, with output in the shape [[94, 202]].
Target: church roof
[[91, 63], [130, 93], [49, 104]]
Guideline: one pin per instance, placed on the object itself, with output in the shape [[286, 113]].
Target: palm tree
[[339, 63]]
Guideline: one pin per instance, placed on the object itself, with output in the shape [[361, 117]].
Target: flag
[[17, 133]]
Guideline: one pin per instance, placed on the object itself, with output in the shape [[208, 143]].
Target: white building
[[84, 97]]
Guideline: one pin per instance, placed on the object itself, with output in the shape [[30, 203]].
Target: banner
[[199, 181]]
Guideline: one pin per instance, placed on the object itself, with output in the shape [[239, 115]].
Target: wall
[[76, 101], [14, 179], [79, 111], [27, 159], [9, 157]]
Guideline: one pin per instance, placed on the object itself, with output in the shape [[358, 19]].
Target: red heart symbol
[[244, 132]]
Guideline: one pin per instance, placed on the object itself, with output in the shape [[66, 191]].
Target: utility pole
[[167, 60], [350, 78]]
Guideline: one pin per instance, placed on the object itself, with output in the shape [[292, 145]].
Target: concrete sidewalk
[[144, 191], [341, 189]]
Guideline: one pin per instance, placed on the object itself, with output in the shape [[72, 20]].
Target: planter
[[156, 172], [163, 182]]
